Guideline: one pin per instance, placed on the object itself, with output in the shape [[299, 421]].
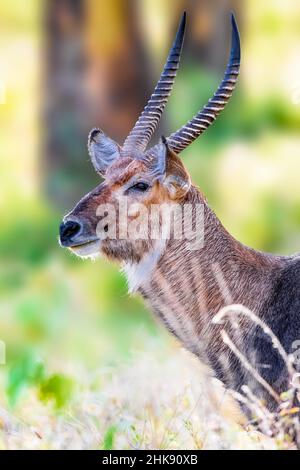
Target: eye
[[140, 186]]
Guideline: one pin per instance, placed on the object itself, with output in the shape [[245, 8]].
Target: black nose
[[67, 231]]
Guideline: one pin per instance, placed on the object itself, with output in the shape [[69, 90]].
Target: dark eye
[[141, 186]]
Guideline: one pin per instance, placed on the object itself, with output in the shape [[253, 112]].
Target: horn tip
[[182, 25], [235, 42]]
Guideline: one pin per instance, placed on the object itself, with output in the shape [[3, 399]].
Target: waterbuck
[[187, 278]]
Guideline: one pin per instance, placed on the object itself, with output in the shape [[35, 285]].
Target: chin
[[87, 250]]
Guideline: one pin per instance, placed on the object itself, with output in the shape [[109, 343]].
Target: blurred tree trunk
[[95, 75], [64, 100], [118, 73]]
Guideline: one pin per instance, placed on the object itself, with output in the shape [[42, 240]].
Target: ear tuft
[[102, 150]]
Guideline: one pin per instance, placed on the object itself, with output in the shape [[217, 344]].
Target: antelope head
[[140, 175]]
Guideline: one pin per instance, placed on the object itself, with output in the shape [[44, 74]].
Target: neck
[[186, 288]]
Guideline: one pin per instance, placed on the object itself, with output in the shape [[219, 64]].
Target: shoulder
[[290, 274], [285, 297]]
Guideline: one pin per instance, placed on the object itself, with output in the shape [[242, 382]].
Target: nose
[[68, 230]]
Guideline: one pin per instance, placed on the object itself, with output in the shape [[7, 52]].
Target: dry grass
[[283, 424], [151, 404]]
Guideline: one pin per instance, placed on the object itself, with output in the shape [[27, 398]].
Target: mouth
[[87, 248], [79, 245]]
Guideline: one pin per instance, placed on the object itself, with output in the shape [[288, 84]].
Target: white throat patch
[[139, 273]]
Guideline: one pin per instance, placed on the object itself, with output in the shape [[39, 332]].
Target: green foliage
[[25, 371], [109, 437], [29, 236], [28, 371], [57, 388], [243, 116]]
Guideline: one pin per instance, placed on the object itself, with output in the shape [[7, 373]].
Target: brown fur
[[187, 288]]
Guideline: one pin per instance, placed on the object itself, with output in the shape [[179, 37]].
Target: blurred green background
[[67, 66]]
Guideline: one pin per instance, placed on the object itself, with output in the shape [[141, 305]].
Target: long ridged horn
[[148, 120], [180, 139]]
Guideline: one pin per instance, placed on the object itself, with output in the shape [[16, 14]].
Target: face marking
[[130, 181]]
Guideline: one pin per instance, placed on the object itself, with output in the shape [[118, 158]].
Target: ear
[[102, 150], [174, 176]]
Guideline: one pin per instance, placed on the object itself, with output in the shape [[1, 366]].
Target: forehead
[[123, 169]]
